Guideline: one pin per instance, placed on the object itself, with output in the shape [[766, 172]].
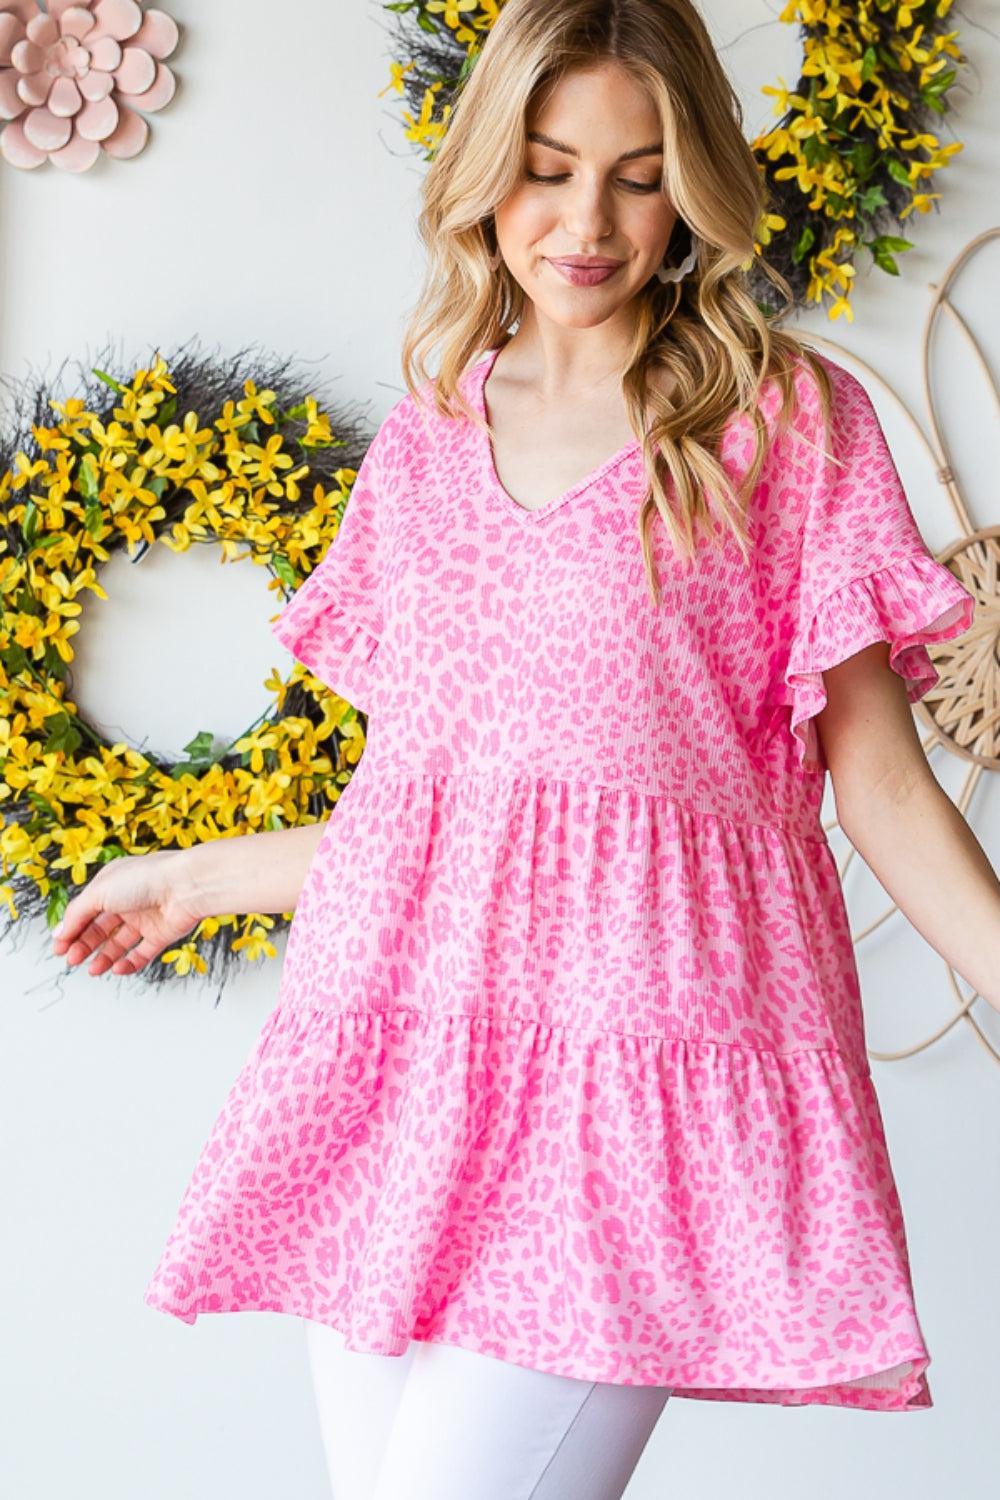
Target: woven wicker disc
[[964, 707]]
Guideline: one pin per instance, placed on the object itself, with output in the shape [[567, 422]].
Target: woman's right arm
[[137, 905], [252, 872]]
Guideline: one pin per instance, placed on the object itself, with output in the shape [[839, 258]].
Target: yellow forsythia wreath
[[188, 451]]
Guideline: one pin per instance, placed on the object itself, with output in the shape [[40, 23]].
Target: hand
[[133, 908]]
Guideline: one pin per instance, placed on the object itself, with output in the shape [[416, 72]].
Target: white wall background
[[276, 204]]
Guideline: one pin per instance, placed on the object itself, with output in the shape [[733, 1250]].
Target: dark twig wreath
[[233, 453], [850, 159]]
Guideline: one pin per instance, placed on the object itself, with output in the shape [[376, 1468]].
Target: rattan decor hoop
[[962, 710]]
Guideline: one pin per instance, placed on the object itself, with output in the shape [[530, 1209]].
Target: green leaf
[[868, 62], [166, 411], [804, 244], [884, 260], [157, 484], [48, 540], [892, 242], [898, 171], [284, 569], [93, 519], [273, 819], [15, 659], [29, 523], [110, 380], [940, 83], [110, 851], [88, 477], [814, 150], [871, 199], [63, 734], [862, 157], [57, 902], [200, 748], [50, 656]]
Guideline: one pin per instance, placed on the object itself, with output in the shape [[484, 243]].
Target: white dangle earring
[[677, 273]]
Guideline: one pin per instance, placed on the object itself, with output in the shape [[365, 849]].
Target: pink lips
[[583, 270]]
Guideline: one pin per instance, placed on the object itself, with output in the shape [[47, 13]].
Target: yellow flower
[[81, 844], [123, 488], [139, 528], [231, 420], [451, 10], [139, 407], [783, 99], [921, 202], [397, 72], [49, 439], [291, 485], [158, 377], [29, 632], [254, 944], [262, 464], [255, 403], [25, 471], [841, 305], [769, 223], [427, 131], [76, 419], [15, 845], [114, 438], [185, 958], [176, 444]]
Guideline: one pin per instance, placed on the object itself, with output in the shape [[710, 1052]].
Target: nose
[[586, 211]]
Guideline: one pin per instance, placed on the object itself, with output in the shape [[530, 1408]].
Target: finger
[[117, 944], [90, 939], [132, 962], [78, 914]]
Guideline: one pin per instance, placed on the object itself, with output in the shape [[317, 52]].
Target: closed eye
[[639, 187]]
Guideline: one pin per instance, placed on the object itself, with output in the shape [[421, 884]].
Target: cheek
[[522, 219], [651, 223]]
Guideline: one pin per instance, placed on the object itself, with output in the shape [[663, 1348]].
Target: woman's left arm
[[903, 824]]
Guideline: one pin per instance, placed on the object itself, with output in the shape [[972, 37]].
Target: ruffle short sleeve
[[865, 572], [333, 621]]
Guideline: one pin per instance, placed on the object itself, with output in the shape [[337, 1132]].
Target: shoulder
[[415, 427], [850, 406], [834, 422]]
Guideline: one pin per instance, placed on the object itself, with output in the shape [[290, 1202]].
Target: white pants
[[444, 1423]]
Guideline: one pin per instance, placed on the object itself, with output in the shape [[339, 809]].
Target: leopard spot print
[[568, 1063]]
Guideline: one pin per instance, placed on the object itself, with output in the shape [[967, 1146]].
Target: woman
[[565, 1104]]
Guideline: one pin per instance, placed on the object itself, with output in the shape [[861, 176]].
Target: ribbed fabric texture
[[568, 1063]]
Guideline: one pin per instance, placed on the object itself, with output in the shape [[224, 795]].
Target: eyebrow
[[654, 149]]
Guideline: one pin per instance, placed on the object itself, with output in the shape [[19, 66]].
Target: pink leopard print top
[[568, 1064]]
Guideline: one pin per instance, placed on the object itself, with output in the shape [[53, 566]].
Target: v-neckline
[[490, 475]]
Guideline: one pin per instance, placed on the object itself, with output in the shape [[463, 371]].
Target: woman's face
[[590, 188]]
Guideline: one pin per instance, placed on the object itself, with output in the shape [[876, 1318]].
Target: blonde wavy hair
[[707, 331]]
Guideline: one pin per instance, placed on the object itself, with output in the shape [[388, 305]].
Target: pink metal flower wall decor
[[73, 77]]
